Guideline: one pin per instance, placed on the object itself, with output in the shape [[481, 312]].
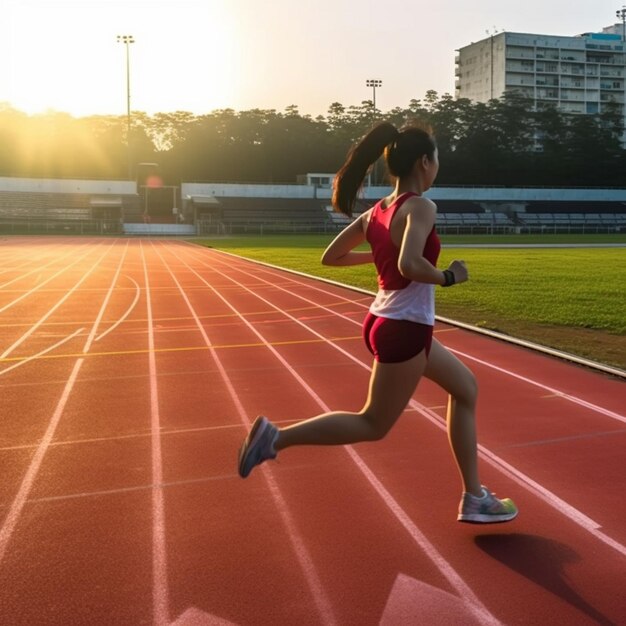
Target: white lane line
[[35, 326], [160, 589], [126, 314], [39, 268], [34, 356], [446, 569], [29, 262], [513, 473], [17, 505], [566, 396], [305, 560], [36, 262], [15, 510], [164, 432], [551, 390]]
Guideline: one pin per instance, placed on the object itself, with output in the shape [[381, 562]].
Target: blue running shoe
[[486, 510], [258, 446]]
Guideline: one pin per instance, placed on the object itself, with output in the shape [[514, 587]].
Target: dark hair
[[401, 148]]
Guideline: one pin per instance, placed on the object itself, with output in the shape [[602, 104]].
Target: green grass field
[[571, 299]]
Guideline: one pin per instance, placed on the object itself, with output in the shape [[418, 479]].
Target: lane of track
[[308, 539], [230, 262], [577, 391], [322, 555]]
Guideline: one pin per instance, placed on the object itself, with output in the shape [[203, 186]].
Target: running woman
[[398, 329]]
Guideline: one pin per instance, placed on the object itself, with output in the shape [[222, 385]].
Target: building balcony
[[520, 54], [550, 95], [519, 83], [612, 97], [548, 68]]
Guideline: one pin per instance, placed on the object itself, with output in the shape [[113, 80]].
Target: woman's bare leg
[[391, 387], [447, 371]]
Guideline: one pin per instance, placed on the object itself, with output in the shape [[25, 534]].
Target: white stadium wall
[[50, 185]]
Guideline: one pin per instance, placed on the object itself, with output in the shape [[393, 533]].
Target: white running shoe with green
[[486, 510]]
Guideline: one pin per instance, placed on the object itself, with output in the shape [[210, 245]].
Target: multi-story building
[[578, 74]]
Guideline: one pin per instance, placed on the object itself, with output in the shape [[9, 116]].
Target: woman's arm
[[339, 252], [420, 219]]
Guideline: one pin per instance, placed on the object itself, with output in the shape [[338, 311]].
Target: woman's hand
[[459, 269]]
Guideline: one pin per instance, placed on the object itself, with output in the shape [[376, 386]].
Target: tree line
[[501, 142]]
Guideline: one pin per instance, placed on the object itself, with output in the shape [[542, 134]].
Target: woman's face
[[428, 169]]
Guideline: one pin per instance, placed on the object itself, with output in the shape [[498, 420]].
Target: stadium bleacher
[[263, 215], [230, 212], [26, 211]]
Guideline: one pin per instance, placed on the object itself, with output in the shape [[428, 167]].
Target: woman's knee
[[445, 369], [465, 389], [377, 428]]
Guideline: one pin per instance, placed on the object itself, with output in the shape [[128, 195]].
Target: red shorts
[[394, 341]]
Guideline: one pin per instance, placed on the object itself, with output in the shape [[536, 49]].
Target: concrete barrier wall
[[236, 190], [51, 185], [471, 194]]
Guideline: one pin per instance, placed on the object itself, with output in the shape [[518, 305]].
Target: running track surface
[[130, 372]]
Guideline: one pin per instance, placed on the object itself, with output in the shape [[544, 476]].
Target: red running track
[[129, 374]]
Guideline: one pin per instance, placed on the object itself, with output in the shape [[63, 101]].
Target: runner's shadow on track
[[543, 561]]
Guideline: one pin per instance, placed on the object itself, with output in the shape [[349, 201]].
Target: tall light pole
[[127, 40], [373, 83]]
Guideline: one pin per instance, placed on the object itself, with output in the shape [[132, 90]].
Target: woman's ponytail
[[352, 173]]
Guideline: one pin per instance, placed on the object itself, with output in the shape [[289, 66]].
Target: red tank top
[[385, 252]]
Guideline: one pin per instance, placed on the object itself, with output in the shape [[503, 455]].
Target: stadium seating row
[[244, 214]]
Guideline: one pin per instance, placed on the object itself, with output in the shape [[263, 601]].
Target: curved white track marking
[[38, 269], [15, 510], [35, 326], [35, 356], [160, 588], [530, 381], [126, 314], [519, 477], [305, 560], [474, 603]]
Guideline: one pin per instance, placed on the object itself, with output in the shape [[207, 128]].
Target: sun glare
[[184, 57]]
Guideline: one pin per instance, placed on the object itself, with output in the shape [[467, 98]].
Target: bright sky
[[201, 55]]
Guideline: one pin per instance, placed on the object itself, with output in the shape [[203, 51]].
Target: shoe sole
[[486, 519], [248, 442]]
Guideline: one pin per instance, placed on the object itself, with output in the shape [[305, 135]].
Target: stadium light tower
[[127, 40], [621, 14], [373, 83]]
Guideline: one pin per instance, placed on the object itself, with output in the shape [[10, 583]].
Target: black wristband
[[449, 276]]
